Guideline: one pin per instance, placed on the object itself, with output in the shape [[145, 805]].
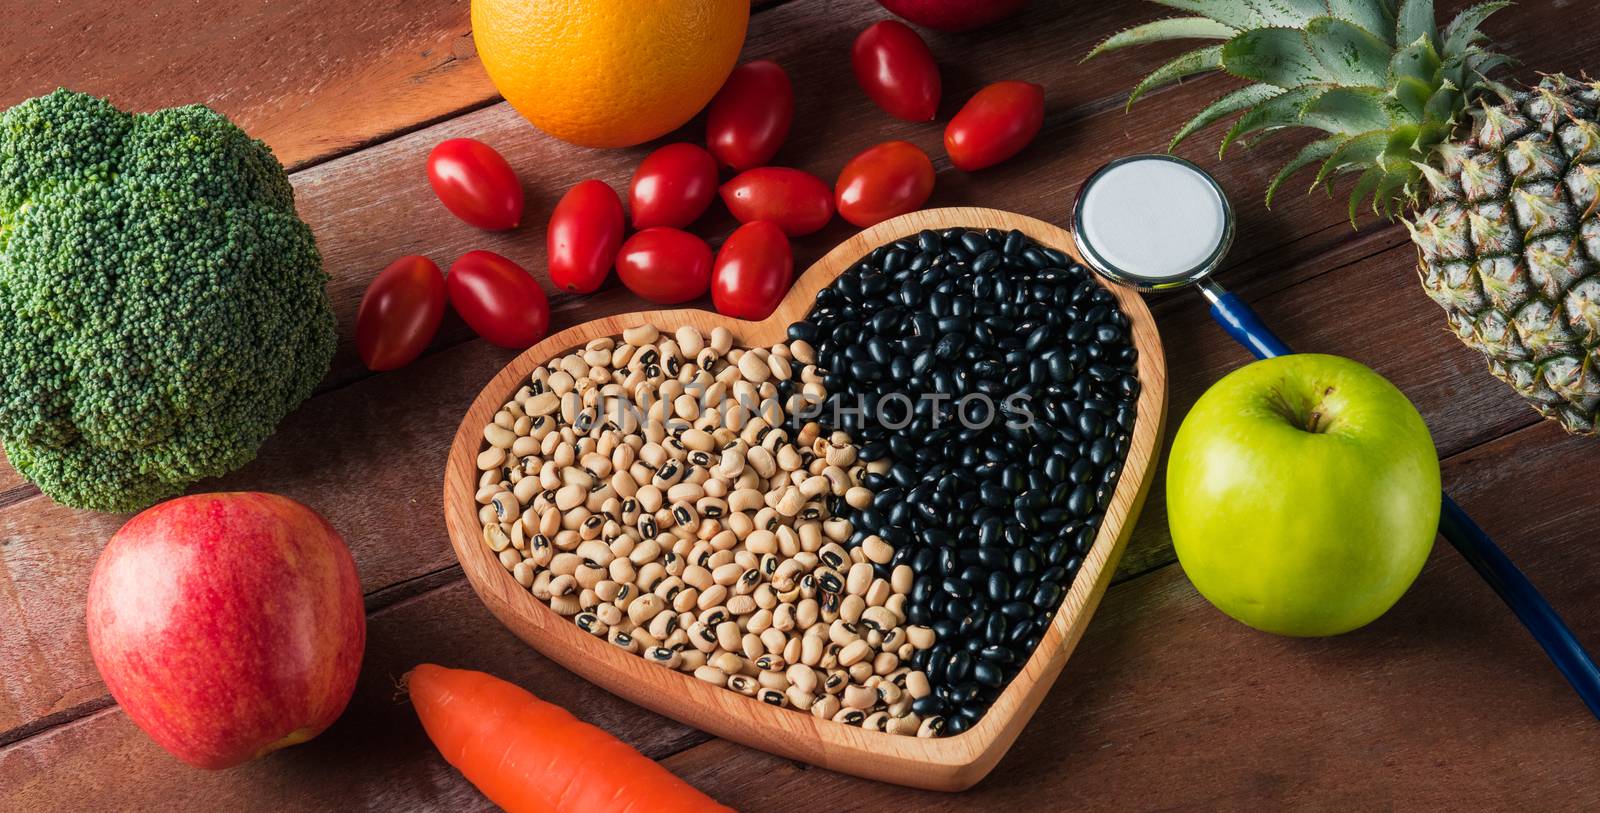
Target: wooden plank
[[312, 79], [375, 757], [1444, 703]]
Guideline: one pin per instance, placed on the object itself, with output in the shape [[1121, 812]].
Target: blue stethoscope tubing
[[1245, 327]]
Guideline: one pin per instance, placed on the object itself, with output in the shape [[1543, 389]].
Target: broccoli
[[162, 307]]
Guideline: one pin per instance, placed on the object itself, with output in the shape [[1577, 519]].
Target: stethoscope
[[1160, 223]]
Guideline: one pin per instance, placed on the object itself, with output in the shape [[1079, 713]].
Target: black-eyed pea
[[770, 663], [879, 618], [861, 671], [837, 529], [761, 541], [783, 618], [702, 638], [790, 502], [491, 459], [807, 612], [597, 553], [499, 436], [751, 647], [643, 638], [858, 578], [622, 570], [851, 607], [893, 640], [663, 655], [664, 624], [873, 637], [888, 692], [850, 716], [541, 550], [743, 685], [792, 649], [567, 605], [711, 674], [607, 589], [885, 662], [668, 588], [713, 596], [760, 621], [766, 598], [694, 574], [854, 652], [826, 707], [833, 555], [917, 684], [524, 572], [800, 698], [728, 662], [686, 600], [496, 537], [746, 584], [727, 573], [645, 607], [920, 636], [812, 649], [651, 575], [729, 636], [690, 659], [876, 721], [609, 614], [775, 642], [591, 623], [587, 577], [541, 585]]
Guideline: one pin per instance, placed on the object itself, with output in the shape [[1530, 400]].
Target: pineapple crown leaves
[[1379, 78]]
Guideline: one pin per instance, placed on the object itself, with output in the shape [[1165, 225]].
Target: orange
[[609, 73]]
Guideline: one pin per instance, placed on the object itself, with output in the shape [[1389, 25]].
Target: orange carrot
[[529, 756]]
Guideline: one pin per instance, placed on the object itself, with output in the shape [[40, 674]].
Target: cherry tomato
[[672, 186], [475, 184], [749, 118], [798, 202], [995, 124], [666, 266], [890, 179], [399, 313], [896, 69], [753, 271], [585, 231], [498, 299]]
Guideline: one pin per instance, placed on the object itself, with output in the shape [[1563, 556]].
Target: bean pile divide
[[999, 377]]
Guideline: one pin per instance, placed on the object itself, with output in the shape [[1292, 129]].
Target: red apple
[[954, 15], [227, 625]]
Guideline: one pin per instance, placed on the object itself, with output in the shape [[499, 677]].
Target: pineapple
[[1498, 187]]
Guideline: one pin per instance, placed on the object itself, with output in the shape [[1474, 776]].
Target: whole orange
[[609, 73]]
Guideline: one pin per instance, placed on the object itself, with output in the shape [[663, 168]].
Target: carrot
[[529, 756]]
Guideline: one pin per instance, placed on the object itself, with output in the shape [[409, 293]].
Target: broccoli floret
[[161, 305]]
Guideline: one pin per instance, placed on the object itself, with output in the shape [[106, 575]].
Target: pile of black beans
[[993, 507]]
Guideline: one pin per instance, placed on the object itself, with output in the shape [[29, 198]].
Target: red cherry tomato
[[753, 271], [399, 313], [798, 202], [498, 300], [995, 124], [749, 118], [666, 266], [896, 69], [890, 179], [585, 232], [475, 184], [672, 186]]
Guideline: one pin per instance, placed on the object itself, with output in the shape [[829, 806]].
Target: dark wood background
[[1444, 702]]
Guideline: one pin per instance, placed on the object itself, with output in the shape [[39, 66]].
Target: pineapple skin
[[1509, 245]]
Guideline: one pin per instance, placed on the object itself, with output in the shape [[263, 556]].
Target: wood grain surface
[[1443, 703]]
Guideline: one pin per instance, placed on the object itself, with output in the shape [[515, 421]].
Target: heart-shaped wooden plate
[[946, 763]]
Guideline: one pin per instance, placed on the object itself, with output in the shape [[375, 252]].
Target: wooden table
[[1444, 702]]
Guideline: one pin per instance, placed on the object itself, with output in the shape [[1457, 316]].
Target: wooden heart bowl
[[945, 763]]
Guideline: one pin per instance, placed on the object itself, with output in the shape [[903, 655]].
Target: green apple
[[1303, 495]]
